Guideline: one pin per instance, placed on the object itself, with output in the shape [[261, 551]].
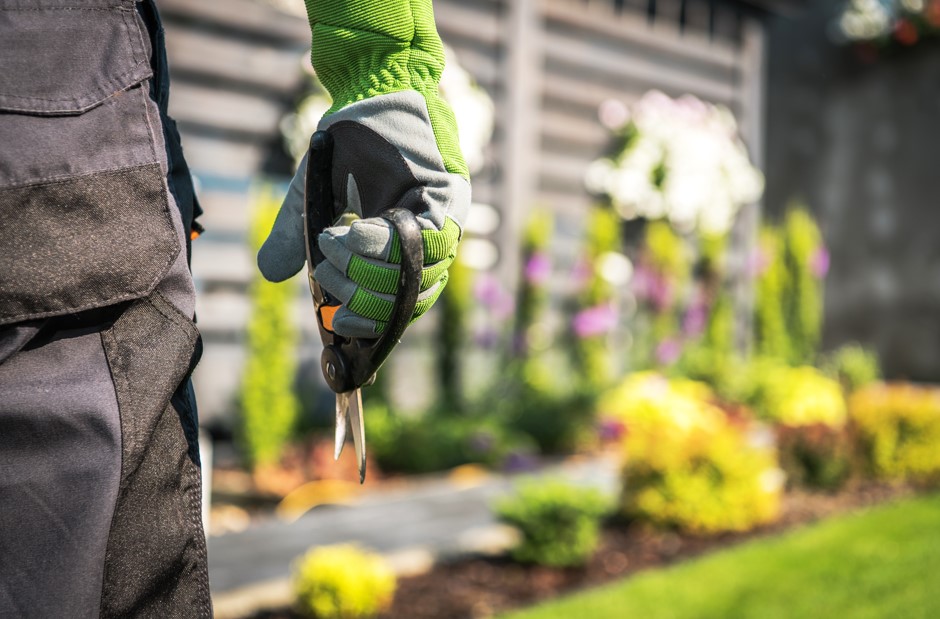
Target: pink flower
[[819, 263], [596, 320], [695, 317], [758, 262], [610, 430], [538, 269], [668, 351], [490, 292]]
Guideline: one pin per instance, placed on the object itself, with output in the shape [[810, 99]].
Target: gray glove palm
[[385, 155]]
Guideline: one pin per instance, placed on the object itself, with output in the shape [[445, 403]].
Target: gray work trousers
[[99, 465]]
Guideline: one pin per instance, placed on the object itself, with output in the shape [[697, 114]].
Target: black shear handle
[[349, 363]]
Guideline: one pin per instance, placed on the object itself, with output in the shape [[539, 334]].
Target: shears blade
[[349, 410]]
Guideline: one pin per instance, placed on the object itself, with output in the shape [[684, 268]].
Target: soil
[[480, 587]]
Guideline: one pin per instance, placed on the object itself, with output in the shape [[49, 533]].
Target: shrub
[[557, 422], [854, 366], [438, 441], [898, 427], [791, 265], [807, 262], [815, 456], [648, 400], [269, 406], [343, 582], [688, 465], [559, 522], [705, 480], [797, 396]]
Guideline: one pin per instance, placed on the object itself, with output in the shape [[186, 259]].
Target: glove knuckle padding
[[385, 156]]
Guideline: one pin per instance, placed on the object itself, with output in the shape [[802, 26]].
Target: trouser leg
[[60, 465], [100, 498]]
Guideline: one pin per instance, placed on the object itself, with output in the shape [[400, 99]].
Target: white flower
[[684, 161]]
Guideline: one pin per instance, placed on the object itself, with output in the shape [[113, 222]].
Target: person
[[99, 463]]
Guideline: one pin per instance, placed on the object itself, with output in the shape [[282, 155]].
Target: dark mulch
[[479, 587]]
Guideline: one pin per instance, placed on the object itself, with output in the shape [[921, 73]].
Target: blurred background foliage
[[638, 349]]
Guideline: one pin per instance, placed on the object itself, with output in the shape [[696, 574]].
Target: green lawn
[[883, 563]]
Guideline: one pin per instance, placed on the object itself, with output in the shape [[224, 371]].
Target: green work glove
[[395, 144]]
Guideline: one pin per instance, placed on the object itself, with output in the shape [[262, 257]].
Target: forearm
[[366, 48]]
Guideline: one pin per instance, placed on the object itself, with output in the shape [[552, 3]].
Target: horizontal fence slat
[[197, 51], [629, 28], [564, 168], [579, 57], [588, 95], [223, 262], [245, 15], [221, 157], [222, 109], [473, 21], [579, 130]]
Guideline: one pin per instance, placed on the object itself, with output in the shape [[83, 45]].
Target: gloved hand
[[395, 144]]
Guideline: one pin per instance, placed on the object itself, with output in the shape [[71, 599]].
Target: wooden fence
[[548, 64]]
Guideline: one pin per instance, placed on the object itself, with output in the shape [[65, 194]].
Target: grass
[[878, 564]]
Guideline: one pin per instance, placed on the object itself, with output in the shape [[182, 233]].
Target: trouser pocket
[[155, 564], [83, 196]]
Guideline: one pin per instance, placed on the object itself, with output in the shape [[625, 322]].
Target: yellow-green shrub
[[898, 427], [703, 481], [854, 366], [687, 464], [650, 400], [343, 582], [799, 397]]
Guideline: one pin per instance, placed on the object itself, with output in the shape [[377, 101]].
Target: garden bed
[[479, 587]]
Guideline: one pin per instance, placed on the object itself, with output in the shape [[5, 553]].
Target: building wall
[[859, 143]]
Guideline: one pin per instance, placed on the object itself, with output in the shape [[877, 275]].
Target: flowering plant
[[680, 159], [872, 23]]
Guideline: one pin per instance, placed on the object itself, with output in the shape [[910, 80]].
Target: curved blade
[[342, 405], [356, 423]]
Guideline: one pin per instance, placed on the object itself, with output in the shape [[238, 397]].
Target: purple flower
[[611, 429], [695, 317], [491, 294], [641, 282], [660, 292], [819, 263], [518, 461], [486, 338], [648, 284], [538, 269], [668, 351], [595, 321]]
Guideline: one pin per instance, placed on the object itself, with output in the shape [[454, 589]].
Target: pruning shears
[[348, 364]]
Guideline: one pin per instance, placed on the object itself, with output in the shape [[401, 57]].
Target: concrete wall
[[860, 144]]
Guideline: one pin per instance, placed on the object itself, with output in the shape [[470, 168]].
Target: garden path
[[423, 521]]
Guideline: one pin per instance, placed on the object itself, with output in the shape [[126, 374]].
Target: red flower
[[905, 32], [933, 13]]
